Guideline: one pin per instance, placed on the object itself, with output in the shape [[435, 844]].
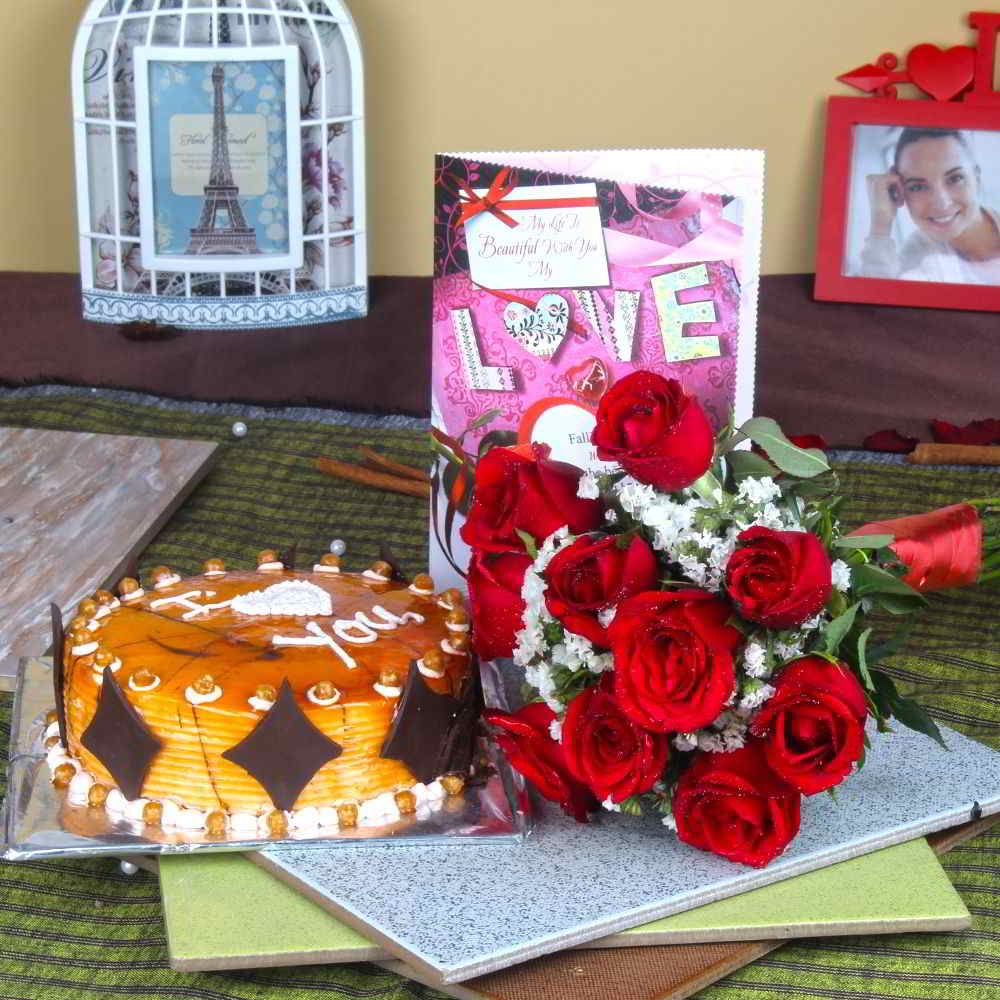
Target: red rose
[[778, 578], [495, 598], [732, 804], [813, 725], [526, 492], [673, 654], [654, 430], [529, 747], [606, 750], [592, 574]]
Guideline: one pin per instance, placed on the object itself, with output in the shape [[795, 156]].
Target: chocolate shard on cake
[[119, 738], [59, 670], [432, 733], [284, 750]]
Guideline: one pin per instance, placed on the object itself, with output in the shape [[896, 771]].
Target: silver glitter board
[[37, 822], [454, 915]]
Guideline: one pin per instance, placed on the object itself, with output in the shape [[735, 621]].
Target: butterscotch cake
[[260, 702]]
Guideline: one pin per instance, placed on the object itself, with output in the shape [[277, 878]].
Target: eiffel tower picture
[[222, 228]]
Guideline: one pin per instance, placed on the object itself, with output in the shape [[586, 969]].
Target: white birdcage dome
[[220, 162]]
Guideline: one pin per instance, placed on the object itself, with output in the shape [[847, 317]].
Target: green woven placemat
[[81, 928]]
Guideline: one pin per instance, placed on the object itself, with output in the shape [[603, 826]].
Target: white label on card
[[566, 428], [556, 241], [191, 153]]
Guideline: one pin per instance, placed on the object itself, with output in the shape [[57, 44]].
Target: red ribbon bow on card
[[473, 204]]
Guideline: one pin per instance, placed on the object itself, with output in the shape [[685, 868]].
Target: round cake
[[259, 702]]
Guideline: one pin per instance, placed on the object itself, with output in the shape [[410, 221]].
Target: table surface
[[84, 929], [837, 369]]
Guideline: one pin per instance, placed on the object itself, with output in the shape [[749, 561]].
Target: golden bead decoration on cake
[[453, 784], [263, 697], [104, 597], [457, 620], [347, 814], [379, 572], [78, 624], [406, 802], [215, 823], [97, 795], [152, 813], [129, 589], [213, 567], [87, 608], [267, 559], [328, 563], [388, 684], [423, 585], [144, 679], [163, 577], [277, 823], [63, 775], [103, 658], [323, 693], [431, 664], [81, 641], [450, 599], [203, 690]]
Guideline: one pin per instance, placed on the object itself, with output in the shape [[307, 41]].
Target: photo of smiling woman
[[919, 209]]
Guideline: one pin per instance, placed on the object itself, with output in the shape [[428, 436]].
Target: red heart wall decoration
[[942, 73]]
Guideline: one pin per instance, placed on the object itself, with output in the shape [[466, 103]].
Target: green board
[[223, 912]]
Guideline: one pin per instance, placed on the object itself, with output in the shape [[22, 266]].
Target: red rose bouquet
[[692, 623]]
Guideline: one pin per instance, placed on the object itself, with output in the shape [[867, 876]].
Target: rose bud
[[813, 725], [941, 549], [778, 578], [593, 574], [654, 430], [526, 740], [495, 598], [606, 750], [673, 653], [521, 489], [733, 805]]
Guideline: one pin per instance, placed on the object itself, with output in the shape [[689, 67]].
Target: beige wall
[[514, 74]]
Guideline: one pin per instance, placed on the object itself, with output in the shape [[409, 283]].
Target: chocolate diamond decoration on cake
[[119, 738], [284, 750], [420, 733]]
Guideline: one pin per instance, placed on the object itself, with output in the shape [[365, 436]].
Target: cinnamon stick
[[954, 454], [368, 477], [380, 463]]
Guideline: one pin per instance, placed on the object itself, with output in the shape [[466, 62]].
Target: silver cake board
[[453, 915], [36, 821]]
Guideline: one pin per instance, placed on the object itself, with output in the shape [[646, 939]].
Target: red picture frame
[[843, 115]]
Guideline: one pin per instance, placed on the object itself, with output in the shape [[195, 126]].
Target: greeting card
[[556, 274]]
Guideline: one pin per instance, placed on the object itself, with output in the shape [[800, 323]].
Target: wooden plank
[[74, 510]]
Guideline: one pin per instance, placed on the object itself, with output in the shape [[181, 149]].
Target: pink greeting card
[[556, 274]]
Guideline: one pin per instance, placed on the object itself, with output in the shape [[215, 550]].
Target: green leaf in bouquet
[[892, 593], [883, 649], [481, 421], [446, 452], [496, 439], [819, 487], [802, 462], [833, 634], [553, 632], [905, 710], [866, 677], [529, 543], [864, 541], [744, 464]]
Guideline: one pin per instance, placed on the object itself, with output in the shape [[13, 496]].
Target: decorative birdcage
[[220, 162]]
